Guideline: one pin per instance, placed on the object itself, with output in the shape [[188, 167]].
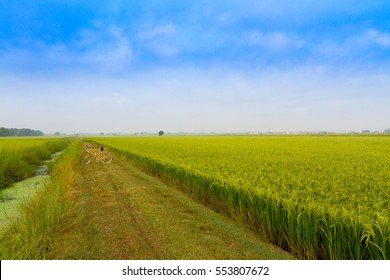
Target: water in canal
[[11, 197]]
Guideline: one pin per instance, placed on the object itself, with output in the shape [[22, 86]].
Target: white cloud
[[353, 46], [377, 37], [273, 40], [99, 48], [104, 47], [151, 32], [121, 51], [160, 39]]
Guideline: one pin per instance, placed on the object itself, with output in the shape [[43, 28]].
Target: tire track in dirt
[[112, 227], [143, 238]]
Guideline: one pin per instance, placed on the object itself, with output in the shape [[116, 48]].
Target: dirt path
[[122, 213]]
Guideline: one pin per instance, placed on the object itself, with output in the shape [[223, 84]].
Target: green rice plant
[[20, 156], [320, 197]]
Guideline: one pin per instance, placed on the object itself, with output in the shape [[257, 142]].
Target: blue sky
[[195, 66]]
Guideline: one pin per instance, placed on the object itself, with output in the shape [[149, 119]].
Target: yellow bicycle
[[95, 154]]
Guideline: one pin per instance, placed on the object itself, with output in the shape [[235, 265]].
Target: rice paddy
[[20, 156], [319, 197]]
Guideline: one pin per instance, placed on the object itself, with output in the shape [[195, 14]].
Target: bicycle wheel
[[85, 158], [106, 157]]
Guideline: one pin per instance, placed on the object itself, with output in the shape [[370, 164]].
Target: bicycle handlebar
[[91, 147]]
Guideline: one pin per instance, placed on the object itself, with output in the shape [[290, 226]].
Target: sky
[[227, 66]]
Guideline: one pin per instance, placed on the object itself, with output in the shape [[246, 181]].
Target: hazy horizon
[[185, 66]]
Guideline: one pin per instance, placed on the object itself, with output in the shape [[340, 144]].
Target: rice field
[[319, 197], [19, 156]]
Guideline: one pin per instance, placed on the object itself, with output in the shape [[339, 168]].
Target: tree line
[[19, 132]]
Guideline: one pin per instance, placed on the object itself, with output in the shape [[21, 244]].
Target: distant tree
[[4, 131], [57, 134], [19, 132], [387, 130], [161, 133]]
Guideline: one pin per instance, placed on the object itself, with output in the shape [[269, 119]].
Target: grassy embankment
[[30, 236]]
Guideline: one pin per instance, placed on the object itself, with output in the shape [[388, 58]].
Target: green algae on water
[[10, 198]]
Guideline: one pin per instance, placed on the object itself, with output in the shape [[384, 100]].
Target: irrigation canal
[[11, 197]]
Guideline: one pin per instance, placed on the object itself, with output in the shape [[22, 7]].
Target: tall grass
[[319, 198], [31, 235], [20, 156]]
